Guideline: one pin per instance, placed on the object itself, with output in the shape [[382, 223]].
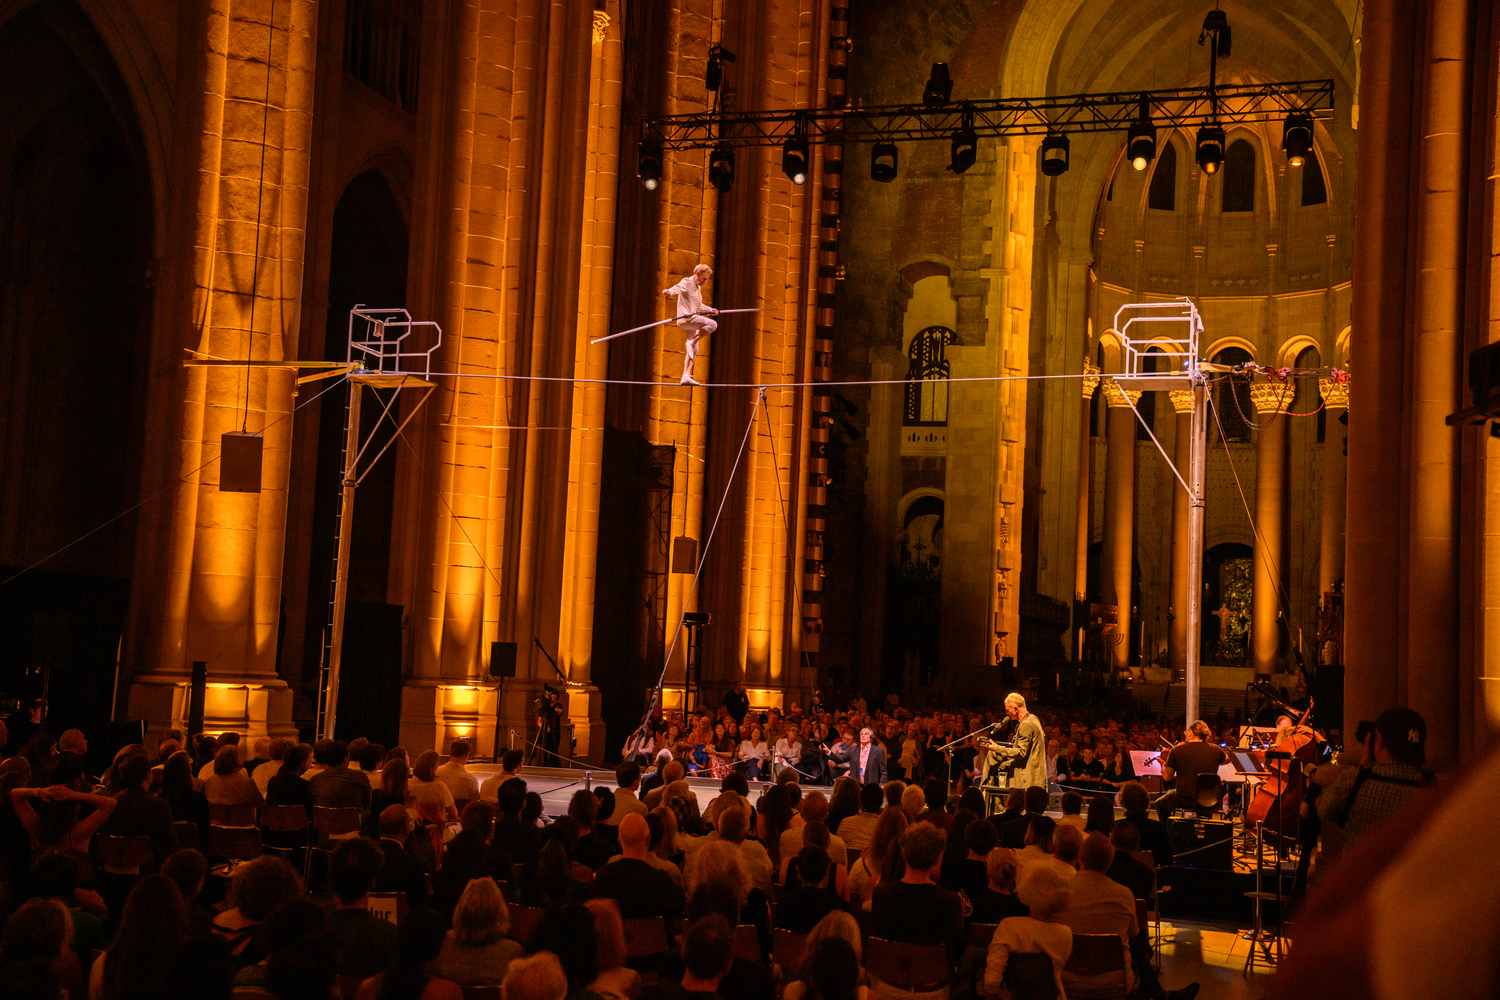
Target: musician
[[1188, 759], [1026, 756]]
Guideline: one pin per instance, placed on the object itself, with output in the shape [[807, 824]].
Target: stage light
[[1140, 142], [964, 147], [1217, 24], [718, 55], [939, 86], [721, 167], [1055, 155], [884, 158], [1297, 137], [794, 159], [1211, 148], [648, 165]]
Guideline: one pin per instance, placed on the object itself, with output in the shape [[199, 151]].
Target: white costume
[[689, 303]]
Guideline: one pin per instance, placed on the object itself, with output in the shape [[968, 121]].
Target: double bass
[[1279, 797]]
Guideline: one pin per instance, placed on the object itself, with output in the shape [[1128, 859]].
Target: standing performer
[[689, 304], [1027, 754]]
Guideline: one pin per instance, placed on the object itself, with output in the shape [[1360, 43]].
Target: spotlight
[[648, 165], [794, 159], [965, 144], [1211, 148], [1055, 155], [884, 158], [1297, 137], [1140, 142], [721, 167], [1217, 24], [718, 55], [939, 85]]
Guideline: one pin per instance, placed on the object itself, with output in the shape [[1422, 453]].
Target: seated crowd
[[438, 883]]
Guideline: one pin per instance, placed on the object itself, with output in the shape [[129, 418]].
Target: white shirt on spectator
[[463, 785], [790, 753], [490, 790]]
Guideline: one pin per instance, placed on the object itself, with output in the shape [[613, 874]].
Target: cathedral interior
[[909, 472]]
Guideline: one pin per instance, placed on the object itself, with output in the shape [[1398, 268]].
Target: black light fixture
[[721, 167], [1140, 142], [1217, 25], [1211, 148], [964, 147], [1297, 137], [939, 86], [794, 158], [884, 159], [648, 165], [718, 55], [1055, 155]]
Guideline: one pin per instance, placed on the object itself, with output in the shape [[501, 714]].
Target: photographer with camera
[[548, 708], [1390, 773]]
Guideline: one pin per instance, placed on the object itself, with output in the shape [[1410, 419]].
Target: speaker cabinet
[[502, 659]]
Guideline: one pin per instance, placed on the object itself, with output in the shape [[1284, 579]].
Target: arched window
[[927, 378], [1163, 192], [1239, 177], [1232, 398], [1151, 362], [1314, 190]]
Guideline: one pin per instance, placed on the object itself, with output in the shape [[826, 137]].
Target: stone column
[[1335, 462], [1085, 482], [1119, 514], [224, 551], [1182, 456], [1270, 401]]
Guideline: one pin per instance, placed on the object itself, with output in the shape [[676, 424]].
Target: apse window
[[1162, 194], [927, 379], [1239, 177]]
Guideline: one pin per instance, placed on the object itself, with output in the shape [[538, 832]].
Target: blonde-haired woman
[[614, 981], [720, 862], [837, 924], [476, 951], [1045, 891]]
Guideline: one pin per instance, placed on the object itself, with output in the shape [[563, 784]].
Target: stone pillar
[[1271, 401], [224, 550], [1090, 383], [1119, 514], [575, 641], [1182, 456], [1335, 459]]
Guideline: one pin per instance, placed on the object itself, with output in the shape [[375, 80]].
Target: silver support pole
[[341, 561], [1195, 540]]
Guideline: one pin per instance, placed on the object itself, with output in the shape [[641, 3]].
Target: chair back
[[1210, 791], [1142, 914], [921, 968], [523, 923], [979, 935], [1146, 858], [123, 855], [788, 949], [747, 943], [240, 814], [187, 835], [646, 936], [338, 820], [80, 858], [1097, 955], [1030, 976], [283, 819], [234, 843], [480, 992], [388, 906]]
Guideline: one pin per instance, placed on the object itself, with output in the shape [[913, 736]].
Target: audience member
[[275, 754], [1072, 810], [138, 962], [855, 830], [37, 946], [838, 926], [539, 977], [1389, 775], [402, 871], [52, 815], [188, 870], [567, 931], [613, 980], [262, 755], [640, 888], [393, 791], [593, 848], [228, 784], [628, 780], [916, 909], [1044, 892], [882, 856], [363, 942], [411, 976], [510, 763], [256, 888], [1155, 836], [1126, 870], [137, 812], [471, 855], [1101, 815], [1013, 834], [801, 908], [462, 785], [337, 787], [476, 951], [997, 899], [707, 954]]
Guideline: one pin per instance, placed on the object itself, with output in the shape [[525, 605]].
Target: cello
[[1279, 797]]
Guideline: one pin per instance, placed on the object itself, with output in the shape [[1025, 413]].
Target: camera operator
[[549, 724], [1390, 773]]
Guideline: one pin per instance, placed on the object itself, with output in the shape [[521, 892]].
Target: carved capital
[[1335, 394], [1090, 380], [601, 25], [1182, 400], [1115, 396], [1271, 397]]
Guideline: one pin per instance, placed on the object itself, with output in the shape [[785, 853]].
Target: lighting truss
[[1116, 112]]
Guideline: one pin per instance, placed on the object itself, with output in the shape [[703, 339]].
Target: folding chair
[[187, 835], [646, 944], [1153, 904], [123, 855], [787, 951], [523, 923], [1095, 960], [241, 815], [234, 844], [388, 906], [1029, 976], [330, 821], [747, 943], [914, 968], [284, 819]]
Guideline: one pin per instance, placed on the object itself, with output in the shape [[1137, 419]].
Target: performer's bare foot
[[689, 380]]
